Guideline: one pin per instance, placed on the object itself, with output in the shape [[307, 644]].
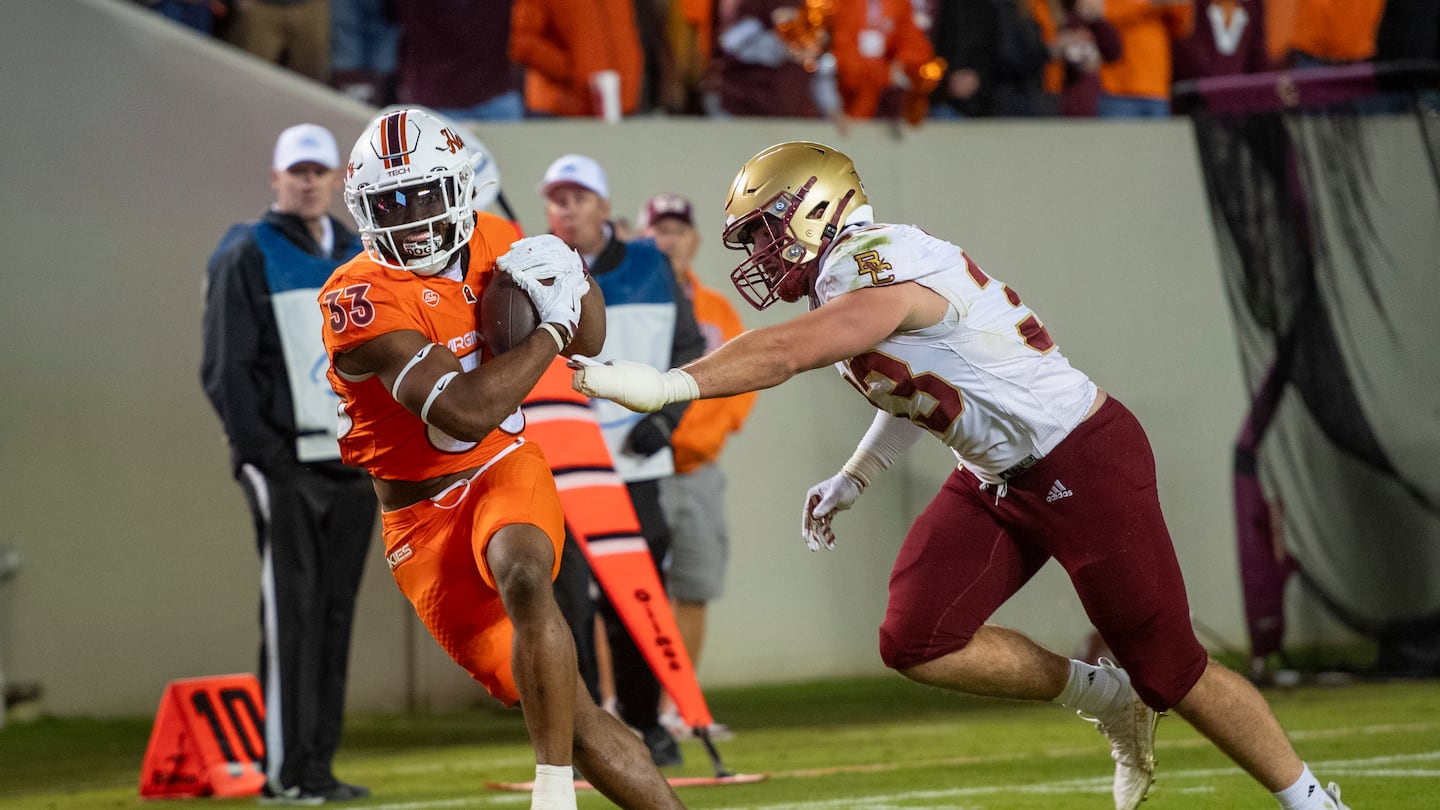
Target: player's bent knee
[[521, 559], [1163, 676], [902, 652]]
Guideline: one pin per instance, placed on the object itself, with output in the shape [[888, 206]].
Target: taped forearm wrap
[[679, 386], [882, 445]]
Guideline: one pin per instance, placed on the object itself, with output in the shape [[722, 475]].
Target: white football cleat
[[1131, 732]]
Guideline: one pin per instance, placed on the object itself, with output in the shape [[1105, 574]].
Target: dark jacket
[[243, 363]]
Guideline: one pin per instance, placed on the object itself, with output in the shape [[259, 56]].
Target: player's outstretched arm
[[760, 358]]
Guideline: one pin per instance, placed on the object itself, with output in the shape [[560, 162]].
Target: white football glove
[[637, 386], [834, 494], [557, 302], [543, 257]]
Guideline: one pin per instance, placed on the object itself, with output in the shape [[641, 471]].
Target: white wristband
[[555, 333], [882, 445], [863, 466]]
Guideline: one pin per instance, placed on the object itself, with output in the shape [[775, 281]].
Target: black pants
[[637, 690], [313, 525]]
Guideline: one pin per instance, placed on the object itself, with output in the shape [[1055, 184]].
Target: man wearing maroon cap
[[694, 498]]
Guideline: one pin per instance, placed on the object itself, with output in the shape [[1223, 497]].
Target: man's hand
[[637, 386], [650, 435], [542, 257], [835, 494], [559, 302]]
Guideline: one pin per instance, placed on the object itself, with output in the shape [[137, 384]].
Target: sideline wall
[[130, 145]]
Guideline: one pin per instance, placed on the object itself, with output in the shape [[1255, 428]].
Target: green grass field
[[882, 743]]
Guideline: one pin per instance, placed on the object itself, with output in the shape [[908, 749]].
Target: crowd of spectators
[[840, 59]]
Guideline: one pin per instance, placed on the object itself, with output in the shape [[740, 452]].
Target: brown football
[[504, 315]]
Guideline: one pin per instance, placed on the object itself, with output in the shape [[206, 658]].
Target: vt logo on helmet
[[410, 186], [785, 208]]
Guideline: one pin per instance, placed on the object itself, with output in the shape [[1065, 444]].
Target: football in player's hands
[[505, 315]]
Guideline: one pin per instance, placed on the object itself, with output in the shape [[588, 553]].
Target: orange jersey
[[1146, 29], [364, 300], [867, 37], [1335, 30]]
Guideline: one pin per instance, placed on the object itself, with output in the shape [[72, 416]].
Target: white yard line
[[1359, 767], [1381, 766]]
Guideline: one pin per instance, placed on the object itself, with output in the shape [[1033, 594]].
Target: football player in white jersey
[[1049, 466]]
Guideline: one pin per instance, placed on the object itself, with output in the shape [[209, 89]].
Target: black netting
[[1329, 282]]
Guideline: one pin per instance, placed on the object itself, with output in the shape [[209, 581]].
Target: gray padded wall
[[131, 145]]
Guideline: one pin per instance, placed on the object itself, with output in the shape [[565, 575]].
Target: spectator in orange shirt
[[1334, 32], [1137, 85], [878, 49], [564, 43], [694, 498]]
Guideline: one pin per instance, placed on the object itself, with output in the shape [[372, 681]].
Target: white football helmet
[[486, 189], [785, 207], [410, 186]]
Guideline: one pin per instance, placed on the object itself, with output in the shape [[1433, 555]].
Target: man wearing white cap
[[264, 372], [647, 319]]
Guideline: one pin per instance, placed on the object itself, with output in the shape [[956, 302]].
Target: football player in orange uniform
[[471, 519]]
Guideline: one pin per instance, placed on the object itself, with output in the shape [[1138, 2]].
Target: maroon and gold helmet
[[785, 206]]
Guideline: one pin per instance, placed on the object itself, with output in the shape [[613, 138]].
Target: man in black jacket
[[264, 371]]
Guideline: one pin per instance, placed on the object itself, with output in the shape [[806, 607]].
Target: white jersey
[[987, 380]]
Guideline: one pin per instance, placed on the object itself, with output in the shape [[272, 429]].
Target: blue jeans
[[194, 15], [360, 38], [1133, 107], [944, 112]]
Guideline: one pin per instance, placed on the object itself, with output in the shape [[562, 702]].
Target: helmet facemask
[[410, 187], [785, 208], [416, 226], [779, 267]]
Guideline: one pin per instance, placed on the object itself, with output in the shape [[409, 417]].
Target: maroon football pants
[[1092, 505]]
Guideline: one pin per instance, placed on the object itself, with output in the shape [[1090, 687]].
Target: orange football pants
[[436, 552]]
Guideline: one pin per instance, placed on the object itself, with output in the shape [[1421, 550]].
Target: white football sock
[[1096, 691], [554, 788], [1305, 794]]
